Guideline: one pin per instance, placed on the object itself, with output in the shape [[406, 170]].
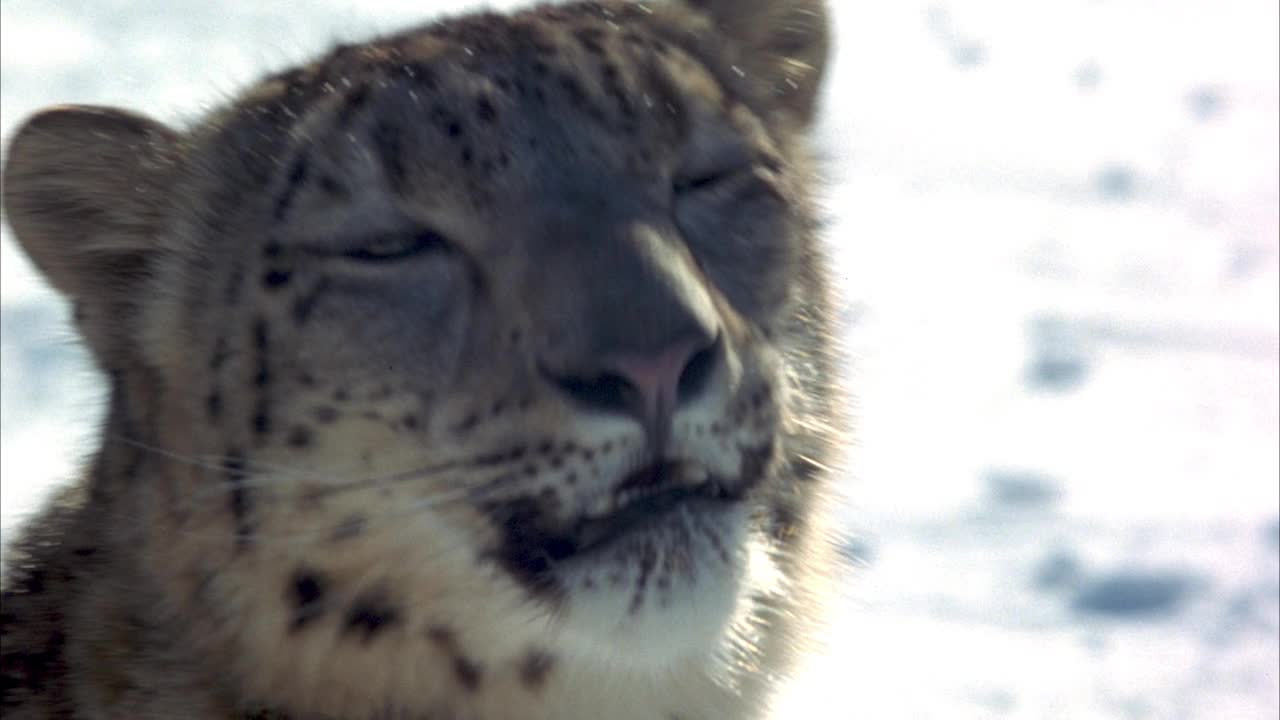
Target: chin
[[666, 588]]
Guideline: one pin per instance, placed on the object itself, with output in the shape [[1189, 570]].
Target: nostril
[[648, 386], [697, 371], [608, 392]]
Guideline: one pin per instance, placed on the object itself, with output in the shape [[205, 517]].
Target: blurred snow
[[1058, 228]]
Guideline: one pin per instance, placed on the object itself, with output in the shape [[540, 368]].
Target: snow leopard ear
[[85, 191], [777, 49]]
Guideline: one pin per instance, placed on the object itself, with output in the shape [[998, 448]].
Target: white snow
[[1058, 227]]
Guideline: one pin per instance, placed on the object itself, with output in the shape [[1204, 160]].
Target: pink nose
[[655, 378], [649, 386]]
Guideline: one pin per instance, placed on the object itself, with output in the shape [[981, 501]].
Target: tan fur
[[362, 329]]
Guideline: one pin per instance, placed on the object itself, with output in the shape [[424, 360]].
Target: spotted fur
[[375, 448]]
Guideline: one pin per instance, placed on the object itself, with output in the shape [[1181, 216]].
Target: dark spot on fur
[[370, 615], [261, 342], [261, 420], [353, 103], [529, 549], [614, 88], [324, 414], [466, 425], [213, 404], [467, 672], [572, 88], [275, 279], [239, 498], [484, 110], [331, 187], [306, 595], [297, 176], [535, 669], [591, 39], [409, 422], [549, 497], [299, 436], [424, 75]]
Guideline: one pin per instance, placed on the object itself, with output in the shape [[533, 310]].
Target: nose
[[648, 386]]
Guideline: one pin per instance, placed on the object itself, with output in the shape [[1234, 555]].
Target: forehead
[[555, 100]]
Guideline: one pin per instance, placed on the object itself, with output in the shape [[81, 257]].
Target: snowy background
[[1057, 226]]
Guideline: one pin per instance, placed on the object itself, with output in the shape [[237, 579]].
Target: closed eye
[[698, 182], [392, 247]]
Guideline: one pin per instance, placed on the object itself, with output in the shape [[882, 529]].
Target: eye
[[398, 246], [699, 182]]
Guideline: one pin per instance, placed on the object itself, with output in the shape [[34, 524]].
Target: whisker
[[417, 507], [256, 474], [207, 462]]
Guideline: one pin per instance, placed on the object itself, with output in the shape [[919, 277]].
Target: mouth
[[646, 498]]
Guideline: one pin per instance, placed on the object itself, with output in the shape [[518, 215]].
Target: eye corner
[[719, 174]]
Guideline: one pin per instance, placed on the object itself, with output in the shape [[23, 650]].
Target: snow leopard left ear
[[774, 51]]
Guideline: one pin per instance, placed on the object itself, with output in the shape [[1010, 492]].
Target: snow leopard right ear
[[85, 190], [777, 50]]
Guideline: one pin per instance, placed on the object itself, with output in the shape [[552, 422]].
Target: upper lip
[[648, 481]]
